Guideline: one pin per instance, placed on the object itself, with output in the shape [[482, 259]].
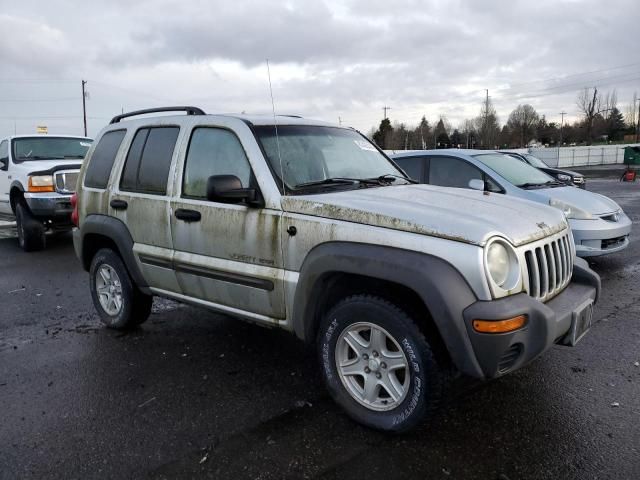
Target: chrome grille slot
[[66, 180], [548, 264]]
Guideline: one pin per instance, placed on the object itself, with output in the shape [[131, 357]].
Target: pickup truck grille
[[66, 181], [549, 265]]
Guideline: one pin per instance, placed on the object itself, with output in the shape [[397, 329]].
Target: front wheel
[[377, 365], [31, 232], [118, 301]]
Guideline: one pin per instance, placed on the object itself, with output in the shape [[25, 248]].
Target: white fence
[[581, 156]]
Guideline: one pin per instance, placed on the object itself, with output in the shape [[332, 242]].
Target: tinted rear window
[[149, 159], [101, 162]]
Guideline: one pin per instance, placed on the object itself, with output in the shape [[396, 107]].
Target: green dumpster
[[632, 155]]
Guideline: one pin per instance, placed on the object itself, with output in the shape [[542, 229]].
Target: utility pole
[[486, 120], [562, 114], [339, 120], [384, 109], [638, 121], [84, 107], [406, 140]]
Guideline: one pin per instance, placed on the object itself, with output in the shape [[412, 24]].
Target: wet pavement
[[196, 394]]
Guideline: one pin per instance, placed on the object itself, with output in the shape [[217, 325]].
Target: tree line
[[600, 120]]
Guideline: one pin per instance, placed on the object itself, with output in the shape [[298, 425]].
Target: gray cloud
[[329, 59]]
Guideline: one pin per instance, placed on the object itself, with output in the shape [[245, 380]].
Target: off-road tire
[[135, 306], [428, 381], [31, 232]]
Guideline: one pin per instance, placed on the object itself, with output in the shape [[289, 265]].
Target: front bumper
[[599, 236], [547, 323], [49, 205]]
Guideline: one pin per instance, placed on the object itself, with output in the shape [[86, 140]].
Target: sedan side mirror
[[4, 164], [228, 189], [476, 184]]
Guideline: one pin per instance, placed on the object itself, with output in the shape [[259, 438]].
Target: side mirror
[[228, 189], [4, 164], [476, 184]]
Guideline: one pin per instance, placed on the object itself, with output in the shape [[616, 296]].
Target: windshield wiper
[[40, 157], [530, 185], [390, 177], [329, 181]]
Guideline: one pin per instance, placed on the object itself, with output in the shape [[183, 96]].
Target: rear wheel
[[31, 232], [377, 365], [118, 301]]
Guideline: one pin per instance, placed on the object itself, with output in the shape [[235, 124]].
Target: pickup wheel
[[31, 232], [116, 298], [377, 365]]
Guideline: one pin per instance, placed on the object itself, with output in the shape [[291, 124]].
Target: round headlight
[[498, 263]]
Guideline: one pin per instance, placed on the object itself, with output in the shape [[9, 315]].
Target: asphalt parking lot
[[196, 394]]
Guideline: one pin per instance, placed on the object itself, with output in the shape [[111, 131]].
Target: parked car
[[598, 223], [38, 175], [565, 176], [310, 228]]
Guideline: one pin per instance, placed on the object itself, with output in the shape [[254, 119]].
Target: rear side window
[[101, 162], [146, 169]]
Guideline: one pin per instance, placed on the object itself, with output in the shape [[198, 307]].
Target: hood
[[457, 214], [593, 203], [44, 165]]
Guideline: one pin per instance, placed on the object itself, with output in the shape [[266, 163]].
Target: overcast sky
[[330, 59]]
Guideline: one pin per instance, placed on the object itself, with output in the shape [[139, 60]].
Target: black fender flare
[[442, 288], [15, 184], [117, 231]]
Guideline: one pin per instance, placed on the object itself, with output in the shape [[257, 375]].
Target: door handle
[[118, 204], [188, 215]]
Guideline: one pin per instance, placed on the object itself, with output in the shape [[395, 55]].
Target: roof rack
[[189, 110]]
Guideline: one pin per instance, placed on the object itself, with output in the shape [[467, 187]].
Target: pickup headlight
[[502, 266], [570, 211], [564, 178], [41, 183]]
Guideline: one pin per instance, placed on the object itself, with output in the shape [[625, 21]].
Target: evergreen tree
[[384, 134]]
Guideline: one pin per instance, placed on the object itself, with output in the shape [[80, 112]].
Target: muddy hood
[[458, 214]]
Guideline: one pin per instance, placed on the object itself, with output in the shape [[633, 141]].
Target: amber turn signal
[[500, 326]]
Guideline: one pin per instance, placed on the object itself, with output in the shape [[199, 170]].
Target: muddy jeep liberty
[[309, 227]]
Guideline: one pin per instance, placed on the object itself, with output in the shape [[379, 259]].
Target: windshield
[[49, 148], [535, 161], [518, 173], [312, 154]]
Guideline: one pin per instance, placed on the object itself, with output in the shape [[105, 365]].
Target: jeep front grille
[[548, 265], [66, 181]]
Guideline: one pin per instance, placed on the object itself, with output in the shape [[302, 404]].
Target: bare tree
[[631, 112], [589, 105], [524, 120]]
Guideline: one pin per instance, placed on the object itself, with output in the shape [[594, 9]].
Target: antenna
[[275, 125]]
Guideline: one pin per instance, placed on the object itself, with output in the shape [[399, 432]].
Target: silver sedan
[[598, 223]]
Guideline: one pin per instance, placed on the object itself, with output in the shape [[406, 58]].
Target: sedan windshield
[[325, 157], [49, 148], [535, 161], [518, 173]]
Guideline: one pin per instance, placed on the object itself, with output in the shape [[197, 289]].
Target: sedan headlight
[[41, 183], [502, 266], [570, 211], [564, 178]]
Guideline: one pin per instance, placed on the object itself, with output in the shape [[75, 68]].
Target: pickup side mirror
[[4, 164], [228, 189]]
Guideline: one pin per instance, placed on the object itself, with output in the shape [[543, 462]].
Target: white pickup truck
[[38, 175]]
